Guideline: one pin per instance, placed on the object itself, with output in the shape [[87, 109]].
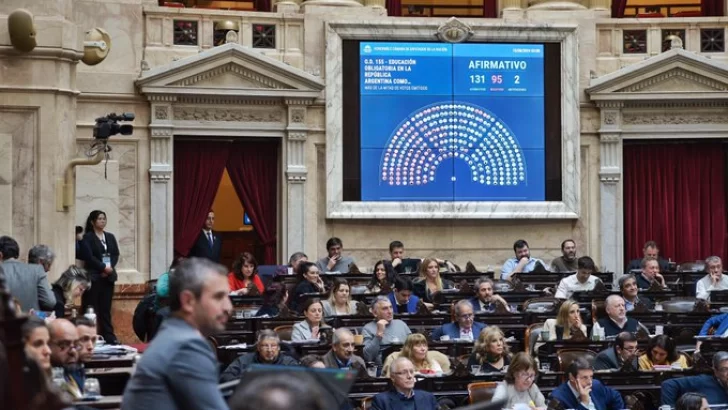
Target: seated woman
[[430, 282], [662, 351], [568, 317], [309, 281], [339, 303], [519, 385], [383, 277], [692, 401], [274, 299], [71, 285], [417, 351], [35, 339], [491, 352], [309, 328], [244, 275]]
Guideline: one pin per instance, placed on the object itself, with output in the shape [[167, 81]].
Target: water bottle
[[90, 315]]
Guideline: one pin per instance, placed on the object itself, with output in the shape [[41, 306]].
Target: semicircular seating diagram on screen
[[451, 129]]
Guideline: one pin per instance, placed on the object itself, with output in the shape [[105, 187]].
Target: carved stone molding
[[161, 113], [162, 98], [454, 31], [157, 132], [252, 78], [610, 138], [610, 178], [610, 118], [227, 114], [298, 115], [674, 119], [609, 104], [677, 79], [296, 177], [610, 155], [297, 136], [160, 176]]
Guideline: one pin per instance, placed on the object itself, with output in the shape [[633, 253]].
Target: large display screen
[[451, 122]]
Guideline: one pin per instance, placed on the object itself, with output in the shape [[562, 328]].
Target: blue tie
[[209, 238]]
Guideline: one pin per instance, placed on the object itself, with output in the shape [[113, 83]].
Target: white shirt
[[571, 284], [705, 286]]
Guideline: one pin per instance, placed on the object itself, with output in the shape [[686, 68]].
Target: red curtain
[[255, 182], [198, 169], [490, 8], [262, 5], [711, 7], [394, 7], [675, 194], [618, 7]]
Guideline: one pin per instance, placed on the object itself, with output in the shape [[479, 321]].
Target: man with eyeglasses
[[341, 355], [65, 346], [404, 396], [623, 351], [582, 392], [86, 330], [714, 387], [465, 327], [267, 351]]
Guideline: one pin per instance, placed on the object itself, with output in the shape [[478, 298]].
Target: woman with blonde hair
[[417, 351], [491, 352], [568, 318], [519, 385], [71, 285], [430, 282], [339, 303]]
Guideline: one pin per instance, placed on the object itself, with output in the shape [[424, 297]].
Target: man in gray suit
[[342, 354], [28, 283], [179, 369]]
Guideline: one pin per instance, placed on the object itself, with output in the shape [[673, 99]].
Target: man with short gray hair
[[341, 355], [403, 396], [267, 351], [464, 328], [384, 330], [41, 255], [713, 386], [179, 370], [714, 280]]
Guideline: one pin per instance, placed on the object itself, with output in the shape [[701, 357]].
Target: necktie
[[209, 238]]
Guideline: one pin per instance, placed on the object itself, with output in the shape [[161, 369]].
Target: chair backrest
[[541, 305], [533, 331], [366, 403], [284, 332], [688, 358], [502, 286], [481, 391], [697, 266], [566, 356], [679, 305]]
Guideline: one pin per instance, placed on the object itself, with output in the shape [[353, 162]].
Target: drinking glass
[[91, 387], [475, 369]]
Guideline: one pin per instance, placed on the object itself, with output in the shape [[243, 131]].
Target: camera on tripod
[[108, 125]]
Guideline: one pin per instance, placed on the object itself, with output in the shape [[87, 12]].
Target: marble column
[[162, 190], [296, 174], [610, 188]]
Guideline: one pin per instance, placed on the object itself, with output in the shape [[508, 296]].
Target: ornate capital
[[161, 112], [160, 174], [454, 31], [160, 132], [297, 115], [610, 147], [296, 176]]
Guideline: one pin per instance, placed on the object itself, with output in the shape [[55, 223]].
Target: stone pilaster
[[162, 189], [610, 187], [296, 175]]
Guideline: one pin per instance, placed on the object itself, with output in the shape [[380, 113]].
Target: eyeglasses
[[64, 345], [527, 376], [467, 316]]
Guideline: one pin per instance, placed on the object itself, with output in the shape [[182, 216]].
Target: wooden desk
[[113, 380], [107, 361], [106, 402]]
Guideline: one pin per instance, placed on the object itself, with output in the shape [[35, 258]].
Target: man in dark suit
[[650, 250], [464, 328], [404, 394], [179, 369], [582, 392], [28, 283], [623, 351], [342, 350], [208, 244]]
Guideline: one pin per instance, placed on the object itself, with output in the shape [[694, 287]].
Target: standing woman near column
[[100, 263]]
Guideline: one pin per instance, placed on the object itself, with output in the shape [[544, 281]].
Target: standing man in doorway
[[208, 244]]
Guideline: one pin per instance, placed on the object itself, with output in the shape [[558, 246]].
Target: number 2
[[517, 79]]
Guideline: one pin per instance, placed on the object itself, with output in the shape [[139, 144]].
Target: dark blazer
[[411, 304], [453, 330], [707, 384], [476, 305], [603, 397], [391, 400], [60, 308], [420, 289], [607, 359], [611, 328], [94, 255], [202, 249], [303, 287], [330, 360], [636, 264]]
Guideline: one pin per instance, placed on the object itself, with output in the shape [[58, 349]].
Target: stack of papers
[[114, 349]]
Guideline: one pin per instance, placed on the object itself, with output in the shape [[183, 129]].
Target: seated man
[[334, 261], [617, 322], [719, 323], [28, 283], [485, 300], [384, 330], [630, 293], [342, 354], [466, 328], [399, 262], [64, 343], [582, 280], [714, 280], [712, 386], [650, 250], [523, 262], [267, 351], [650, 273], [403, 301], [567, 262], [582, 392], [404, 396], [623, 351], [87, 340]]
